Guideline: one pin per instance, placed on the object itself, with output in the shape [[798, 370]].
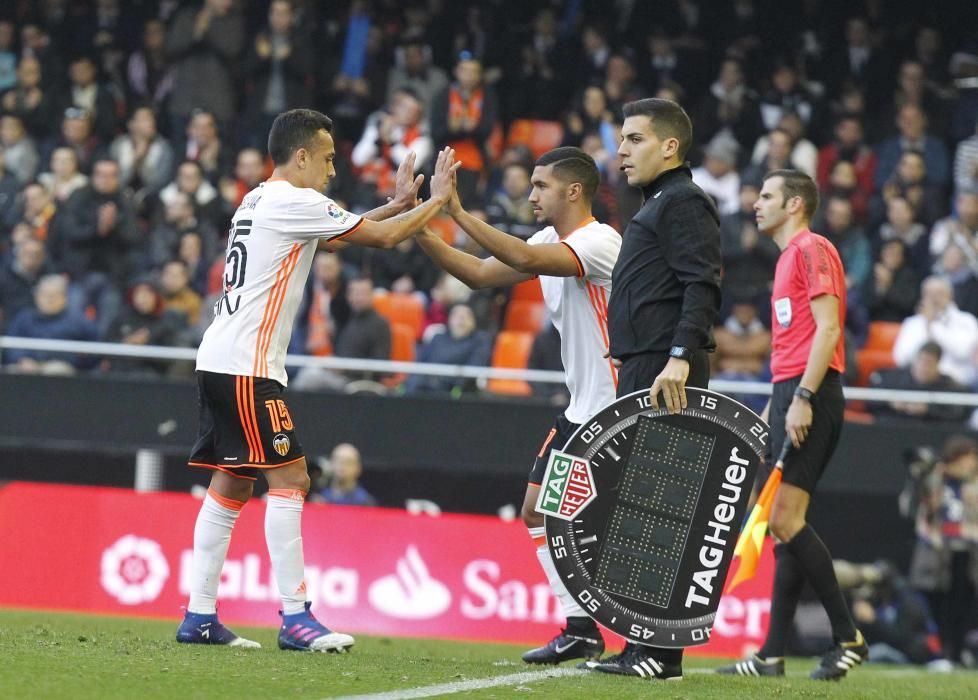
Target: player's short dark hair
[[669, 120], [293, 130], [570, 165], [797, 184]]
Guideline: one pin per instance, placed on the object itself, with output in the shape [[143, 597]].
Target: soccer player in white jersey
[[573, 257], [245, 424]]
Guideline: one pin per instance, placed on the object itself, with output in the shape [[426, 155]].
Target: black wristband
[[806, 394], [681, 352]]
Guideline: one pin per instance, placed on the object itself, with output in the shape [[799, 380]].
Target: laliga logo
[[411, 593], [134, 570]]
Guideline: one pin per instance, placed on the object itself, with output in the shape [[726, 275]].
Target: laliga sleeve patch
[[643, 510]]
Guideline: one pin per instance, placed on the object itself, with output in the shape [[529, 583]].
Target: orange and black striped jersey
[[270, 248], [578, 307]]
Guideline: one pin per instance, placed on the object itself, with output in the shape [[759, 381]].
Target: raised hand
[[406, 185], [443, 181]]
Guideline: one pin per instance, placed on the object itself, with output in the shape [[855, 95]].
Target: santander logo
[[410, 593], [134, 570]]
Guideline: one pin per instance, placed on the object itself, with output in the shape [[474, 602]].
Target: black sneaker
[[840, 660], [754, 666], [565, 647], [639, 660]]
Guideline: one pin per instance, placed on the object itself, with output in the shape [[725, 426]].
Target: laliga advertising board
[[643, 510]]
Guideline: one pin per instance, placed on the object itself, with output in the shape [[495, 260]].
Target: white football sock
[[212, 535], [283, 534], [567, 602]]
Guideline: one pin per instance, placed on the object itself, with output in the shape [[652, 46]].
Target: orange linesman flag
[[751, 540]]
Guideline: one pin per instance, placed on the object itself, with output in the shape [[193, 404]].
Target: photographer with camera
[[945, 560]]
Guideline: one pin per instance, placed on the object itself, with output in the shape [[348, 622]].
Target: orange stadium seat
[[529, 290], [869, 361], [407, 309], [524, 315], [445, 227], [882, 335], [536, 134], [512, 350], [403, 349]]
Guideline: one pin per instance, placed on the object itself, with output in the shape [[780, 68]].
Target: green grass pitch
[[53, 655]]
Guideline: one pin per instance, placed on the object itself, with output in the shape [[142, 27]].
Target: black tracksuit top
[[665, 288]]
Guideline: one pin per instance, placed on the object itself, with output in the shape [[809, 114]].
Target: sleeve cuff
[[577, 259]]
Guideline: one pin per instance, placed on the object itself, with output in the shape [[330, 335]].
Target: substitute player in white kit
[[574, 257], [245, 424]]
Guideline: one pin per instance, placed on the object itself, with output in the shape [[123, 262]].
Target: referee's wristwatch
[[805, 394], [681, 352]]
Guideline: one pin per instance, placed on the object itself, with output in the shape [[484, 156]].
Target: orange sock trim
[[288, 494], [540, 541], [228, 503]]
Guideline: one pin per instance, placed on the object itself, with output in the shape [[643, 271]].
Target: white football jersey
[[271, 245], [579, 310]]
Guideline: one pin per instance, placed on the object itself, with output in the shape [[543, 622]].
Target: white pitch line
[[430, 691]]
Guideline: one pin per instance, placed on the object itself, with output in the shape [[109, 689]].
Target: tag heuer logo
[[281, 444], [567, 488]]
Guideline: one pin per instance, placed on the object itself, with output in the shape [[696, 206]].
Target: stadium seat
[[403, 349], [529, 290], [525, 315], [445, 227], [407, 309], [512, 350], [882, 335], [869, 361], [536, 134]]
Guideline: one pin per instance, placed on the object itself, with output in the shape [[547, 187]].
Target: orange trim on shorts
[[230, 470], [256, 431], [219, 468], [287, 494], [272, 308], [240, 396], [546, 443], [228, 503]]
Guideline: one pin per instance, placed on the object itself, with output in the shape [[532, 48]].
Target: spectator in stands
[[403, 269], [913, 136], [535, 85], [804, 155], [923, 374], [413, 69], [620, 83], [910, 182], [149, 73], [249, 172], [860, 63], [204, 146], [912, 88], [959, 263], [966, 163], [345, 469], [29, 99], [325, 308], [388, 137], [590, 115], [21, 158], [19, 275], [9, 187], [50, 319], [178, 295], [837, 223], [191, 181], [463, 116], [85, 92], [946, 552], [777, 156], [786, 95], [843, 182], [743, 348], [97, 231], [76, 134], [890, 292], [143, 321], [8, 57], [190, 250], [145, 158], [461, 344], [37, 208], [731, 105], [900, 225], [718, 175], [278, 70], [748, 257], [179, 217], [939, 319], [204, 42], [36, 41], [63, 179], [848, 145], [960, 227], [508, 208]]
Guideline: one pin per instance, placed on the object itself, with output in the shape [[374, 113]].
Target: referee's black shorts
[[804, 465]]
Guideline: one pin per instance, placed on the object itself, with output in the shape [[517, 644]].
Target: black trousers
[[639, 371]]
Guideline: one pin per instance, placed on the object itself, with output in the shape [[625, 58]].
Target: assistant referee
[[808, 305], [665, 295]]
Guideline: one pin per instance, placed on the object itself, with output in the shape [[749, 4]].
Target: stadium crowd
[[130, 131]]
